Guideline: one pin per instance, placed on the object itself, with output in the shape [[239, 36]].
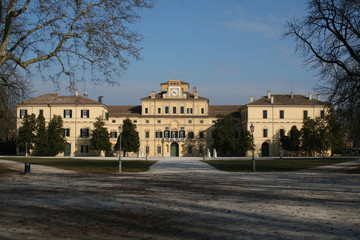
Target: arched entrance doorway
[[174, 149], [265, 149], [67, 151]]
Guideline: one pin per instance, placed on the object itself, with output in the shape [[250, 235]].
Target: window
[[182, 110], [181, 134], [113, 134], [282, 132], [305, 114], [159, 110], [67, 132], [166, 109], [106, 116], [147, 134], [135, 121], [213, 121], [189, 111], [84, 132], [202, 135], [201, 121], [322, 114], [84, 148], [282, 114], [85, 113], [41, 112], [67, 113], [265, 132], [146, 121], [146, 110], [113, 121], [174, 110], [159, 149], [190, 121], [190, 134], [202, 110], [174, 134], [190, 149], [158, 121], [201, 149], [23, 113], [264, 114], [158, 134], [166, 134]]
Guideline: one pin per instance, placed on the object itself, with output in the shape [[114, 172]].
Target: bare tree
[[87, 38], [328, 37]]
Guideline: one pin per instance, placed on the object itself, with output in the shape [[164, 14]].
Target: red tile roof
[[281, 99], [124, 111], [56, 99]]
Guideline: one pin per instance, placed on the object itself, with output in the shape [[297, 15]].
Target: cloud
[[266, 30]]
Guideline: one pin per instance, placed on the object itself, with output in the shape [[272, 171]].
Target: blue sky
[[228, 49]]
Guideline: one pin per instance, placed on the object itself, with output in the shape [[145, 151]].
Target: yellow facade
[[274, 115], [175, 121]]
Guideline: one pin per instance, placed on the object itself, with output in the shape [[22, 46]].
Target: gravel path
[[315, 204]]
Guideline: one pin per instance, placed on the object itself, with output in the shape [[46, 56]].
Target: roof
[[188, 96], [174, 80], [56, 99], [281, 99], [124, 111], [216, 110]]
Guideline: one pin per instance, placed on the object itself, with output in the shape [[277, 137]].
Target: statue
[[214, 153]]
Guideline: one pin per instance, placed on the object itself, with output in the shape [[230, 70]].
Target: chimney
[[268, 94], [318, 96], [310, 96], [152, 94], [251, 99], [272, 99], [76, 93], [292, 95], [196, 94]]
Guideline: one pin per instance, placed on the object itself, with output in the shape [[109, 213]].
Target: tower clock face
[[174, 92]]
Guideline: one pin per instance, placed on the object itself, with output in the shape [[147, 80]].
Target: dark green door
[[265, 149], [174, 150], [67, 150]]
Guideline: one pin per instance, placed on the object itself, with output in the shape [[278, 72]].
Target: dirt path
[[210, 205]]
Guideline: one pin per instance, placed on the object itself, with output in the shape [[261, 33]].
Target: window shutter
[[70, 113], [88, 113]]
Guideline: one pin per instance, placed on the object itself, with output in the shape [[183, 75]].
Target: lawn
[[274, 165], [85, 165]]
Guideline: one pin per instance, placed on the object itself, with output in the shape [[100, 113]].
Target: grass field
[[84, 165], [281, 165]]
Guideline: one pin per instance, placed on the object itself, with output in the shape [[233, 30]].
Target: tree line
[[317, 136], [40, 140]]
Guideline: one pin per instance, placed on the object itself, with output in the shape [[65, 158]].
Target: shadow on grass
[[275, 165], [84, 165]]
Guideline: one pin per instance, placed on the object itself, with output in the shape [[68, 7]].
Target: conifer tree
[[26, 133], [224, 135], [100, 139], [41, 146], [130, 141], [56, 136]]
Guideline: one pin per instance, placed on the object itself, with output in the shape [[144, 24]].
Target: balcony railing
[[178, 139]]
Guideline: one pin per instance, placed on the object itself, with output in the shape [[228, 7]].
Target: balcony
[[178, 139]]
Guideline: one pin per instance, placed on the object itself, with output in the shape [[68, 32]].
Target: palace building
[[174, 122]]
